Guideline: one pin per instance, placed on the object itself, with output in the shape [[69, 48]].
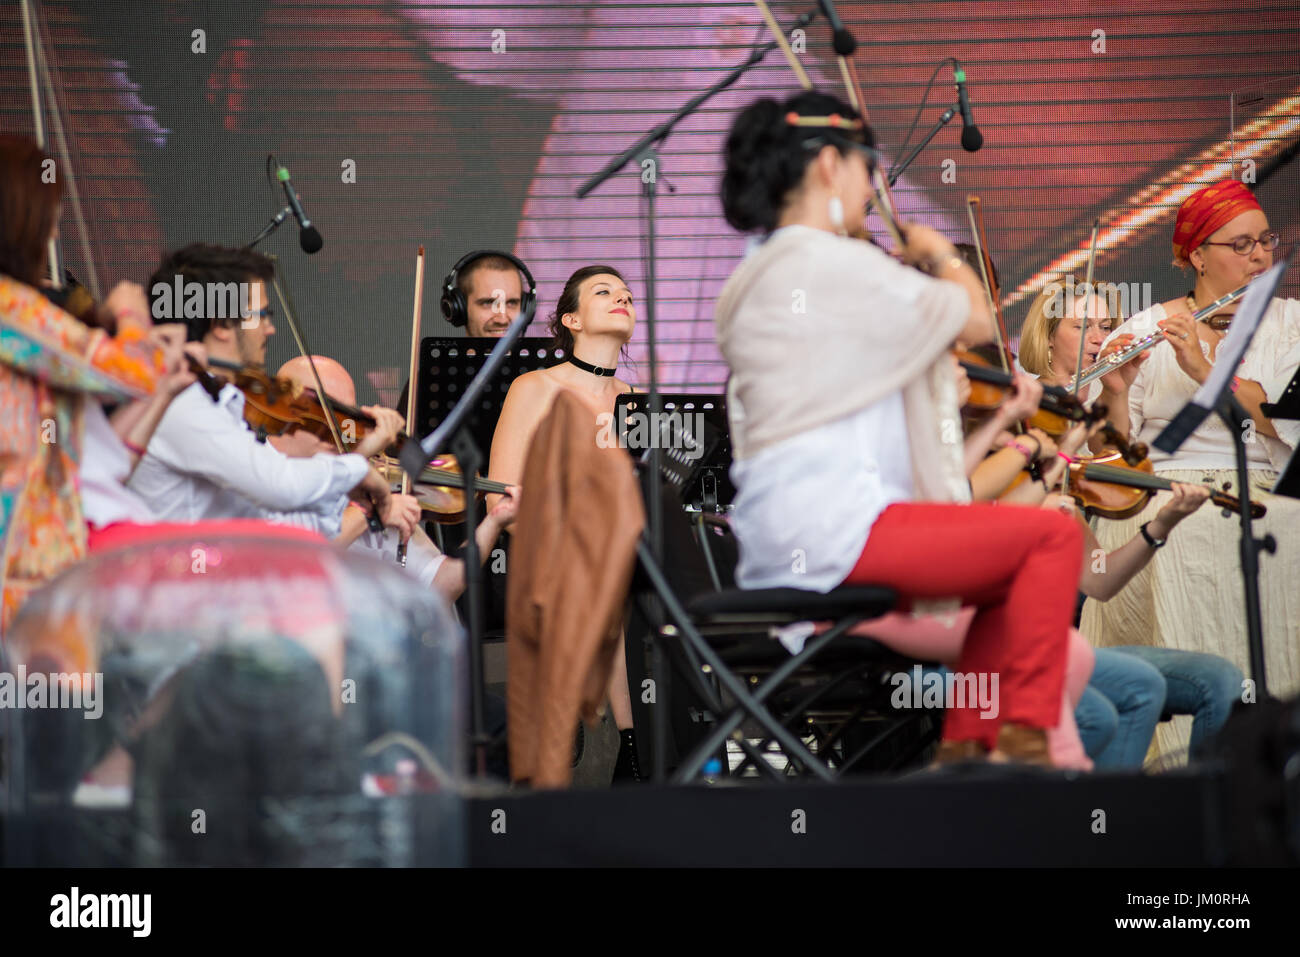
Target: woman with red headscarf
[[1190, 595]]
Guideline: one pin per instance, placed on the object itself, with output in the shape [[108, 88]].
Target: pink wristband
[[1070, 459], [1027, 453], [1236, 384], [132, 447]]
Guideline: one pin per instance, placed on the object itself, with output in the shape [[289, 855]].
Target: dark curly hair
[[205, 263], [766, 156]]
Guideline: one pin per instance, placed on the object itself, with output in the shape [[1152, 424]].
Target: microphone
[[309, 237], [971, 137], [842, 39]]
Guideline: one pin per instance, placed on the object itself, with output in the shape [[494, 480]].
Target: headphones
[[453, 303]]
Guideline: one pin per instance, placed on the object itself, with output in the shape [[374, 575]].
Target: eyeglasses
[[1245, 245], [266, 312]]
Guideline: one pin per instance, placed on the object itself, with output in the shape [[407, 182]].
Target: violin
[[1058, 411], [1107, 488], [440, 488], [274, 406]]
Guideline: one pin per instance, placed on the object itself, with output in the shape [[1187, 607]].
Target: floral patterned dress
[[48, 361]]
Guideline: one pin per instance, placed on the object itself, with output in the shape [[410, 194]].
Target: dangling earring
[[836, 211]]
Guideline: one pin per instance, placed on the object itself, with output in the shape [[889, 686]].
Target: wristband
[[948, 259], [1027, 453], [1152, 543], [1235, 384], [132, 447], [1069, 459]]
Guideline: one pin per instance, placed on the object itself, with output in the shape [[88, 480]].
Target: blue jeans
[[1119, 710], [1204, 686]]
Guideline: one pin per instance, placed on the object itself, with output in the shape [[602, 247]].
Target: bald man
[[424, 561]]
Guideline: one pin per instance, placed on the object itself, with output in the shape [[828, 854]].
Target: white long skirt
[[1190, 595]]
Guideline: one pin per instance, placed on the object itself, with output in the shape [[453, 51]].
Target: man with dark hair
[[203, 461], [493, 292]]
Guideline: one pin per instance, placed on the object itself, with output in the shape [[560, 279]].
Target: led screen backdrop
[[470, 123]]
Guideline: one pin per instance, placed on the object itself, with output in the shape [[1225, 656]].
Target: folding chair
[[721, 642]]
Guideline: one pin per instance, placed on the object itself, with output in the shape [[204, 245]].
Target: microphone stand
[[271, 227], [643, 150], [454, 430], [943, 121], [1235, 417]]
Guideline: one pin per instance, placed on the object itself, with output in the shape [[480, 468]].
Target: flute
[[1138, 346]]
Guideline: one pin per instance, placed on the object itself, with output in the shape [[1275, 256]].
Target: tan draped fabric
[[572, 552]]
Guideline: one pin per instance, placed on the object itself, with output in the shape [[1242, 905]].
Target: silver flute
[[1138, 346]]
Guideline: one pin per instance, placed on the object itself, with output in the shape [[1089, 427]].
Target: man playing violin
[[204, 462], [425, 561]]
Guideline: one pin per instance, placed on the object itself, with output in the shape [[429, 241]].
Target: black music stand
[[1287, 407], [448, 365], [694, 443], [1216, 396]]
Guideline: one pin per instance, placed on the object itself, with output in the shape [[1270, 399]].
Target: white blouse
[[806, 505], [1162, 389], [105, 467]]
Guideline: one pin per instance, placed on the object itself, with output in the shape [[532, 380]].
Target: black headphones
[[453, 303]]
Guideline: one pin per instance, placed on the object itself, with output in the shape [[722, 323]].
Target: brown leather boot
[[957, 752], [1021, 744]]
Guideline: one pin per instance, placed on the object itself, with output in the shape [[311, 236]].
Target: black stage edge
[[1033, 820]]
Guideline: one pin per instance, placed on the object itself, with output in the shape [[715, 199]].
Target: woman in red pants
[[845, 427]]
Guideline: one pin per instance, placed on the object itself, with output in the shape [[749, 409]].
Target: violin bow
[[1083, 329], [975, 213], [1087, 303], [300, 339], [411, 373], [39, 76]]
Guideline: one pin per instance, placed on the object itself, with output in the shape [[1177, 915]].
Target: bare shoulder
[[533, 384]]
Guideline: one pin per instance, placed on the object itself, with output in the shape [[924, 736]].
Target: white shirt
[[805, 506], [1161, 389], [105, 467], [204, 462], [423, 559]]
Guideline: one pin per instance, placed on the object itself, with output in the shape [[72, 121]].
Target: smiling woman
[[593, 321], [1189, 596]]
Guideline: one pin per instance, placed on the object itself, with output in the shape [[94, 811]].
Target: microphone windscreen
[[844, 43], [310, 238], [971, 138]]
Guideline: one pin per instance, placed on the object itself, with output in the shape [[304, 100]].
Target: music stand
[[694, 442], [1287, 407], [1215, 395], [448, 365]]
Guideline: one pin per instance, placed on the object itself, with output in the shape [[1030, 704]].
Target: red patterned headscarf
[[1206, 210]]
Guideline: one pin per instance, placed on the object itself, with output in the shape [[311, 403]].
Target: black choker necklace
[[588, 367]]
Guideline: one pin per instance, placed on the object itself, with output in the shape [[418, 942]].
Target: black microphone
[[971, 137], [843, 40], [309, 237]]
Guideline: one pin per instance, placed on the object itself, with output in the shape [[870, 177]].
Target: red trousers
[[1019, 567]]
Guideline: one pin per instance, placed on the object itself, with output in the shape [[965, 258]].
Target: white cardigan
[[815, 327]]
